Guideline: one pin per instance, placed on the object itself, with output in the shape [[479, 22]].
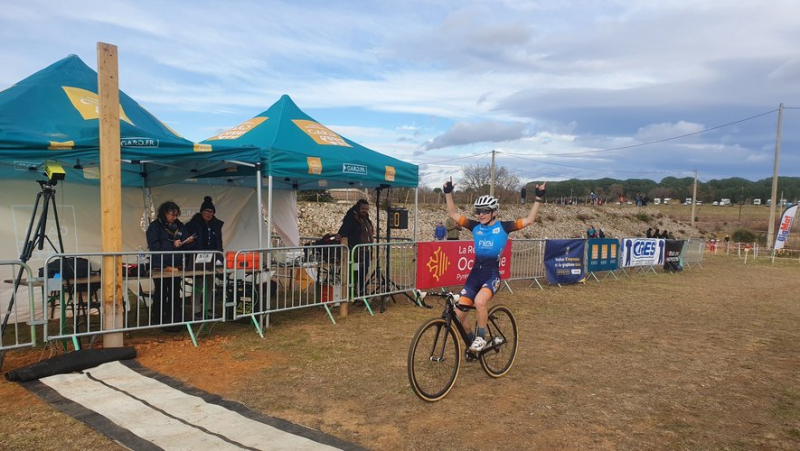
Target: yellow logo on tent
[[241, 129], [202, 147], [390, 172], [320, 133], [314, 165], [438, 264], [88, 104], [66, 145]]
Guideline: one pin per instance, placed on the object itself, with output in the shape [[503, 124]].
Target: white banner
[[642, 252], [785, 227]]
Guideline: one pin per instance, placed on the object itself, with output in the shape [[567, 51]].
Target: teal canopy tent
[[53, 116], [300, 153]]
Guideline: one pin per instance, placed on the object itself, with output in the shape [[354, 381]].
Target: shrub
[[644, 217], [550, 218], [743, 236], [583, 217]]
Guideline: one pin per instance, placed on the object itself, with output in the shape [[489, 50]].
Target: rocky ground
[[554, 221]]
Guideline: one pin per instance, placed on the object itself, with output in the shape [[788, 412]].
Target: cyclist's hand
[[540, 190], [448, 186]]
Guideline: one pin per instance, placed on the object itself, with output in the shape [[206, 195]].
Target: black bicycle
[[434, 357]]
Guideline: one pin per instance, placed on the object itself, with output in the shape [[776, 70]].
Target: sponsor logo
[[438, 264], [349, 168], [202, 147], [320, 133], [496, 231], [390, 173], [88, 104], [314, 165], [138, 142], [485, 244], [644, 249], [241, 129], [66, 145]]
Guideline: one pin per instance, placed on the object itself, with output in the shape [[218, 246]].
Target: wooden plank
[[110, 190]]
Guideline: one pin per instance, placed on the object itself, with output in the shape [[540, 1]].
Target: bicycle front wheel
[[434, 359], [501, 333]]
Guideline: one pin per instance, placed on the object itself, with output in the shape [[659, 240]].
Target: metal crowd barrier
[[171, 290], [19, 316], [527, 260], [382, 270], [286, 278], [693, 252]]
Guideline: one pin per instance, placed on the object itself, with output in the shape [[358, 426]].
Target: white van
[[756, 201], [688, 201], [666, 201], [657, 201]]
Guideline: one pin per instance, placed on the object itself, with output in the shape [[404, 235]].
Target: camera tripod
[[35, 239]]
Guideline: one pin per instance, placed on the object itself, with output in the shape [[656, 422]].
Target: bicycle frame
[[449, 315]]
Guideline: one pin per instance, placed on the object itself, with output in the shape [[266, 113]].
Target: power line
[[587, 169], [666, 139]]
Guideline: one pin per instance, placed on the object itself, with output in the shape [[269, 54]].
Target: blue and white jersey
[[490, 240]]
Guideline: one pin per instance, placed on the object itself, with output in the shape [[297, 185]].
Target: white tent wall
[[78, 208]]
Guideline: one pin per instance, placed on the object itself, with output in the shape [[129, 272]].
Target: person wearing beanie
[[208, 229]]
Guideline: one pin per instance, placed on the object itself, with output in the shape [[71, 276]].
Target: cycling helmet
[[487, 202]]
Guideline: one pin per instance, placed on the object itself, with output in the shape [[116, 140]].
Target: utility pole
[[741, 202], [694, 196], [771, 225], [491, 187]]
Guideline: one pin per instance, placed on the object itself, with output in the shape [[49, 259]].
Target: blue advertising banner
[[673, 260], [642, 252], [602, 254], [563, 260]]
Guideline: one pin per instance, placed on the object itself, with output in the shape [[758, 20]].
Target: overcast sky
[[560, 89]]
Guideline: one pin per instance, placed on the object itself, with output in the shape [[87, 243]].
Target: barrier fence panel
[[158, 289], [527, 260], [287, 278], [693, 252], [382, 269], [19, 312]]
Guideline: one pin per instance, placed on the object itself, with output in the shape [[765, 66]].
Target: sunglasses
[[482, 211]]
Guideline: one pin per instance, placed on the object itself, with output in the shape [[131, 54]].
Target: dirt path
[[704, 359]]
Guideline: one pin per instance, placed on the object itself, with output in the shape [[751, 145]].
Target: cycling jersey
[[490, 240]]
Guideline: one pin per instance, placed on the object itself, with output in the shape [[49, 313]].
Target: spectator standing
[[356, 229], [602, 233], [208, 230], [167, 234], [591, 232], [440, 232], [453, 229]]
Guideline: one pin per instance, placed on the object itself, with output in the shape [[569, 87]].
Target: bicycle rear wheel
[[501, 332], [434, 359]]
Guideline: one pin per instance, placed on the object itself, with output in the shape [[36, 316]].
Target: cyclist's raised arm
[[452, 211], [540, 192]]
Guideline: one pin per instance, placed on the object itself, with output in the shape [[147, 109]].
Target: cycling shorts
[[487, 276]]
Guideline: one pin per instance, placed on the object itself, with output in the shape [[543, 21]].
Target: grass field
[[704, 359]]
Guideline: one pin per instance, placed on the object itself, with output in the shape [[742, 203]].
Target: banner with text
[[446, 263], [563, 260], [642, 252], [673, 260], [602, 254], [785, 227]]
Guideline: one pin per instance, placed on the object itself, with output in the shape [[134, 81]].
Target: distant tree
[[478, 178]]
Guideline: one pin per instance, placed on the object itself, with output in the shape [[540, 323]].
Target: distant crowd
[[650, 233]]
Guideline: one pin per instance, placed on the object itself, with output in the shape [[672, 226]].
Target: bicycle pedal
[[470, 357]]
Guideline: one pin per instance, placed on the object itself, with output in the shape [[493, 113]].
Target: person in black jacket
[[167, 234], [208, 230], [356, 229]]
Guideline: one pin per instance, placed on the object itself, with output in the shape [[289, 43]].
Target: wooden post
[[110, 191]]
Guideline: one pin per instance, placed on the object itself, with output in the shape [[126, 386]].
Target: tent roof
[[300, 152], [53, 115]]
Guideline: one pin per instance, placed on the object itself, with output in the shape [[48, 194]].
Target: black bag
[[326, 254], [69, 268]]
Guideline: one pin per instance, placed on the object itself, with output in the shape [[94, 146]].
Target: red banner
[[446, 263]]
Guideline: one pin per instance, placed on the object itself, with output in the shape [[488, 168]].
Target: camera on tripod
[[54, 172]]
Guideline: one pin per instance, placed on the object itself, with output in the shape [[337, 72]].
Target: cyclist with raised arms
[[491, 236]]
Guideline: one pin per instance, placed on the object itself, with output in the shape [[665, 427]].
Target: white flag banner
[[785, 227]]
